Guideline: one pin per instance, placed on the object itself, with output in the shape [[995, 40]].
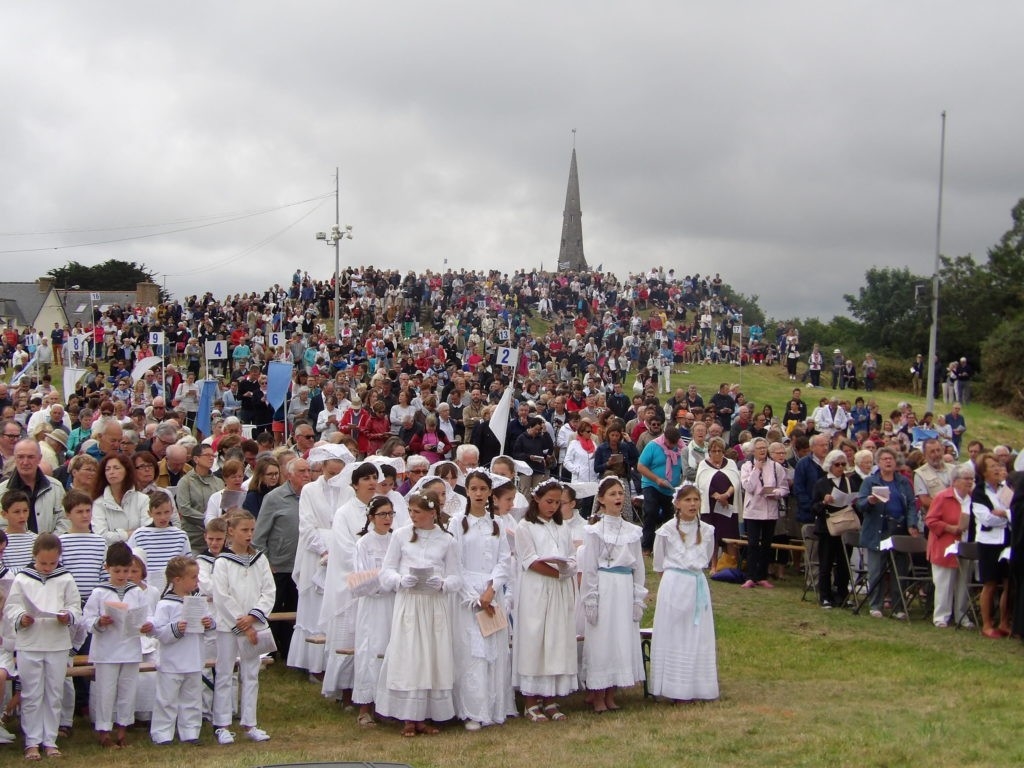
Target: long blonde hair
[[682, 493]]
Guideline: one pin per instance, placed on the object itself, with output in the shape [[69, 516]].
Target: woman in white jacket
[[118, 508], [579, 461]]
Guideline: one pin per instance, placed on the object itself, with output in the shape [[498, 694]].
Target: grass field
[[800, 687], [764, 384]]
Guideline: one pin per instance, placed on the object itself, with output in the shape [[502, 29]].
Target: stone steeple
[[570, 254]]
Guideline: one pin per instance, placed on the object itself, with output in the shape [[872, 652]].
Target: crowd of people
[[425, 510]]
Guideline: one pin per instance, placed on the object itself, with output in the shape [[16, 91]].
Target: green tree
[[748, 305], [893, 313], [111, 275], [1003, 362]]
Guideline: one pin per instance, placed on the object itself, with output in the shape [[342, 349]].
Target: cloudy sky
[[787, 145]]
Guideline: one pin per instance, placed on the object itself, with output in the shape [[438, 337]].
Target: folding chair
[[967, 555], [810, 539], [857, 565], [918, 578]]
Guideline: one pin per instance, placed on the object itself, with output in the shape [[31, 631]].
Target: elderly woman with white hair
[[764, 483], [832, 493]]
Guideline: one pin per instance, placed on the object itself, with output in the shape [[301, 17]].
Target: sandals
[[32, 753], [554, 713], [52, 752], [409, 731], [534, 715], [427, 730], [366, 720]]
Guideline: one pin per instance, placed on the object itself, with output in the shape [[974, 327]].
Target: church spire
[[570, 254]]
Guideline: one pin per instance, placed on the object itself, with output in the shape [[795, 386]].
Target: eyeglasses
[[383, 514], [142, 466], [838, 463], [13, 437]]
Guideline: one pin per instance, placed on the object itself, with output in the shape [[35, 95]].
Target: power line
[[252, 248], [221, 220]]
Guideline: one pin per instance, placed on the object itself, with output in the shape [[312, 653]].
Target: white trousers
[[42, 676], [950, 590], [114, 695], [178, 700], [248, 683]]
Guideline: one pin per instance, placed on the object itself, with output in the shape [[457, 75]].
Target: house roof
[[21, 301], [78, 308]]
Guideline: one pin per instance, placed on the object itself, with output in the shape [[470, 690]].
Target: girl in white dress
[[483, 686], [505, 466], [544, 642], [612, 592], [418, 673], [683, 661], [375, 607]]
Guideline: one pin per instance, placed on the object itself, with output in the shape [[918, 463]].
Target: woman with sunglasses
[[579, 461]]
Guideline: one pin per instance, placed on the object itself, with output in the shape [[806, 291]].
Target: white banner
[[71, 377], [145, 364]]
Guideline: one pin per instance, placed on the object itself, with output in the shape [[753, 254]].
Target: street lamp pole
[[337, 235], [933, 332], [337, 254]]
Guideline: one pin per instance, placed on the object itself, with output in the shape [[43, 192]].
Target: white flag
[[499, 419], [71, 378]]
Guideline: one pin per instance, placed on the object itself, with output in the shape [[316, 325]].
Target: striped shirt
[[160, 545], [83, 557], [18, 554]]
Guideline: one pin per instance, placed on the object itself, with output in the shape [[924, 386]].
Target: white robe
[[684, 665], [483, 686], [418, 673], [373, 617], [544, 643], [338, 609], [317, 504], [611, 646]]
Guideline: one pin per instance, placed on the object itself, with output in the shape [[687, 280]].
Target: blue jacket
[[876, 524], [806, 475]]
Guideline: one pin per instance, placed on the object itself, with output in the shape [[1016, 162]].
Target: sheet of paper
[[490, 624], [952, 549], [363, 583], [194, 608], [1005, 495], [36, 612], [880, 492], [118, 612], [842, 498], [1005, 554], [264, 644], [134, 619], [726, 510], [231, 499], [422, 574], [885, 544]]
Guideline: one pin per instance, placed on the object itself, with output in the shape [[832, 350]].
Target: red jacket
[[945, 510]]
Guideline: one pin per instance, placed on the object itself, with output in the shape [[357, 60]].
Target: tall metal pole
[[933, 334], [337, 255]]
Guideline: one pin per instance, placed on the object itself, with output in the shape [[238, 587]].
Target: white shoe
[[257, 734], [473, 725], [6, 737], [876, 614], [224, 736]]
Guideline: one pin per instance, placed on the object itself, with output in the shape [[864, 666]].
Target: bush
[[1003, 363]]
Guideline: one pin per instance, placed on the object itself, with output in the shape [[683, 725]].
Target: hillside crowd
[[408, 474]]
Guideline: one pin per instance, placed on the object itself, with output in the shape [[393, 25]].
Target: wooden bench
[[791, 547], [82, 667]]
